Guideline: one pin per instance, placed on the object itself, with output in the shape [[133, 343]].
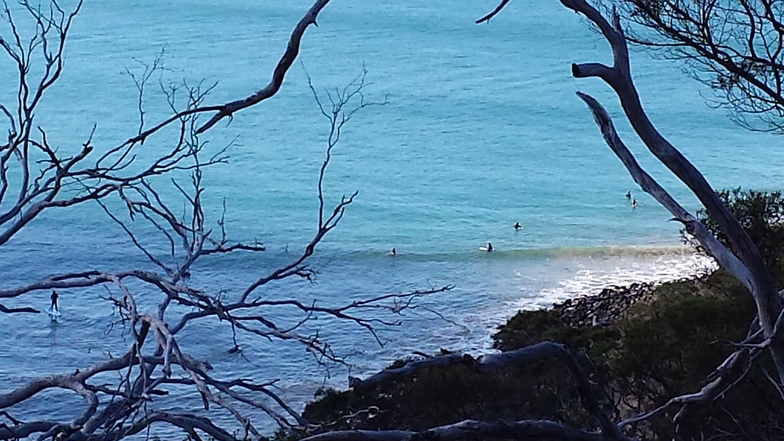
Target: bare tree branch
[[154, 359], [468, 429], [694, 227], [493, 13], [734, 47], [619, 78], [278, 75]]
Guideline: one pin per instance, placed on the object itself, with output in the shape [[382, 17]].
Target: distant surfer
[[488, 248], [634, 203], [517, 226], [393, 252], [628, 195], [53, 307]]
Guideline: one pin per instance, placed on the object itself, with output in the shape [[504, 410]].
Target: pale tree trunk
[[756, 276]]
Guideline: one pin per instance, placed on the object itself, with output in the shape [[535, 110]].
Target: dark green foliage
[[673, 345], [529, 327], [761, 215], [665, 349], [449, 394]]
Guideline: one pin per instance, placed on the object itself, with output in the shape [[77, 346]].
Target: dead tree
[[95, 175], [155, 363], [743, 261], [732, 46]]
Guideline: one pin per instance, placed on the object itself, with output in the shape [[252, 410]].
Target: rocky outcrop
[[611, 304]]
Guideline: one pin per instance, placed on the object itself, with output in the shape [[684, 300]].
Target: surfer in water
[[634, 203], [517, 226], [628, 195], [489, 247], [53, 307], [393, 252]]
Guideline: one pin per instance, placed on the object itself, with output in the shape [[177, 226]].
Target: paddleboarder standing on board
[[54, 306]]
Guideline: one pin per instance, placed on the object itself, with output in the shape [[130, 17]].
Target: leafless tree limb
[[228, 109], [35, 194], [618, 77], [154, 361], [734, 47], [145, 374], [468, 429], [493, 13], [694, 227]]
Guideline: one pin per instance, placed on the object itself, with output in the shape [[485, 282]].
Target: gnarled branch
[[763, 289]]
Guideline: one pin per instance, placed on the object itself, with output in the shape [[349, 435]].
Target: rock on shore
[[606, 307]]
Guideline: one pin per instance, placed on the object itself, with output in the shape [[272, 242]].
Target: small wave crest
[[646, 265], [502, 252]]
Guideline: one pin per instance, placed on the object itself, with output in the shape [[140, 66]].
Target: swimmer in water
[[517, 226], [54, 297]]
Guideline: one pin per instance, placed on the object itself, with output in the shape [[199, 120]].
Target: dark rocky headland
[[611, 304]]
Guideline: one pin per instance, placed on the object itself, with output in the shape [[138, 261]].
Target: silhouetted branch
[[7, 310], [228, 109], [292, 50], [493, 13], [733, 47], [762, 287], [468, 429]]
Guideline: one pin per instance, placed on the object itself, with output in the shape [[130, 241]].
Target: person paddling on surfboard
[[517, 226], [54, 307]]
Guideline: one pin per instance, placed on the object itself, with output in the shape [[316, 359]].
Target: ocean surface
[[482, 129]]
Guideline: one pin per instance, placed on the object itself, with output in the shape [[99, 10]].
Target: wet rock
[[611, 304]]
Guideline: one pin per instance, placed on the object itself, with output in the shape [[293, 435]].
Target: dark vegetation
[[762, 215], [659, 350]]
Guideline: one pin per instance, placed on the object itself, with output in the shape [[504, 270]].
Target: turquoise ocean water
[[482, 129]]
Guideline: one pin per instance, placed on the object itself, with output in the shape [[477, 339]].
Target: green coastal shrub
[[762, 216], [530, 327], [664, 349], [444, 395]]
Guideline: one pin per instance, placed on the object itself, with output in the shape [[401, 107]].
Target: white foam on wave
[[558, 278], [509, 286], [595, 274]]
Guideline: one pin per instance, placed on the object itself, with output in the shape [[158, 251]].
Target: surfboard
[[485, 249], [54, 314]]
